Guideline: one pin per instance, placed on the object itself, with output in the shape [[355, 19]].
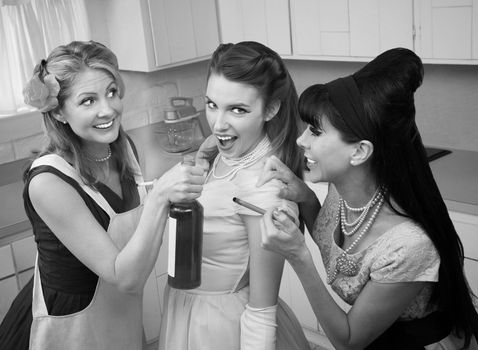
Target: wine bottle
[[185, 242]]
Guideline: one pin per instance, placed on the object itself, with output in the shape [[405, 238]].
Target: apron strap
[[138, 176], [59, 163], [38, 304]]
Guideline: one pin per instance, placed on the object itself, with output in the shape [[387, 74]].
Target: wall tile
[[20, 126], [191, 86], [6, 261], [23, 147], [8, 292], [24, 252], [135, 119], [6, 152], [24, 277], [156, 114]]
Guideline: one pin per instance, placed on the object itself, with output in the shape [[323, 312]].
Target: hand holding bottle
[[182, 183], [185, 240]]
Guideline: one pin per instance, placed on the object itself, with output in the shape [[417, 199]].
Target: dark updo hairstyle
[[252, 63], [66, 62], [399, 163]]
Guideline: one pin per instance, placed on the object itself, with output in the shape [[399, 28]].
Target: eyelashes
[[315, 131]]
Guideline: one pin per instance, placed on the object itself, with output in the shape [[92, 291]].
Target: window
[[29, 30]]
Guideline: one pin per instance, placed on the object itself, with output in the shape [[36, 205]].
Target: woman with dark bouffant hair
[[386, 239], [251, 107], [98, 233]]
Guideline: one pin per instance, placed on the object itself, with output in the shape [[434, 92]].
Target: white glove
[[258, 328]]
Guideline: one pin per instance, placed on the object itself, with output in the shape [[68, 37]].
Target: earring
[[353, 162], [64, 122]]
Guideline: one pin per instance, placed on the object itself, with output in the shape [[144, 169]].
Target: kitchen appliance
[[181, 130]]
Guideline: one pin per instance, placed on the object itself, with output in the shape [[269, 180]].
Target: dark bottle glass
[[185, 243]]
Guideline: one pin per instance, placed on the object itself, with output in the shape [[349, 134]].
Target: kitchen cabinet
[[447, 30], [148, 35], [264, 21], [467, 228], [348, 30]]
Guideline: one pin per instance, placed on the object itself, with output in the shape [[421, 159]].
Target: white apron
[[112, 320]]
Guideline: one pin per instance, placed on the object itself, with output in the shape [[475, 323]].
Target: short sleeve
[[265, 197], [406, 255]]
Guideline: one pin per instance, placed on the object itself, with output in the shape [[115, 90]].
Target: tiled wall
[[16, 268], [147, 94]]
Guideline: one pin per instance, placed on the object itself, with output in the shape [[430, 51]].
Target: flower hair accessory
[[42, 95]]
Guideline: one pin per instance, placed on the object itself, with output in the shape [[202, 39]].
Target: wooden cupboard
[[344, 30], [265, 21], [447, 30], [148, 35]]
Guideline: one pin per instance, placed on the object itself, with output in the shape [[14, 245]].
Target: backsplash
[[446, 103], [146, 96]]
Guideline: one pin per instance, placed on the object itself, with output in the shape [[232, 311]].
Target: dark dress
[[68, 285]]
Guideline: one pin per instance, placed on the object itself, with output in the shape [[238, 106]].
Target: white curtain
[[29, 30]]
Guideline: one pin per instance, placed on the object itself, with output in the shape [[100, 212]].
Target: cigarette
[[249, 205], [146, 183]]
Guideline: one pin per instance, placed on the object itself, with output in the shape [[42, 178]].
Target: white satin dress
[[208, 317]]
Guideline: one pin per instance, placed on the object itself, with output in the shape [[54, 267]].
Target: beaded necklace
[[104, 159], [355, 225], [262, 148], [344, 264]]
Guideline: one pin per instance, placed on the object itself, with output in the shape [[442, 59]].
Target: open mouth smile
[[104, 126], [226, 140]]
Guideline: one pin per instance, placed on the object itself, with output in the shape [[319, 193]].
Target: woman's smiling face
[[327, 155], [94, 108], [236, 115]]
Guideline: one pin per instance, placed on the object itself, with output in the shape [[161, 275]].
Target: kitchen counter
[[456, 175]]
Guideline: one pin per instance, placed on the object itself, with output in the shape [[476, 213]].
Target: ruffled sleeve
[[407, 255]]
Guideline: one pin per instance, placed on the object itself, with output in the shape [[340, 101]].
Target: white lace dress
[[402, 254]]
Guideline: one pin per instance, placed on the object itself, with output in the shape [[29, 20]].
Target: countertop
[[456, 175]]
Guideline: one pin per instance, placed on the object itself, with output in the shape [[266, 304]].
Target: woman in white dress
[[251, 107]]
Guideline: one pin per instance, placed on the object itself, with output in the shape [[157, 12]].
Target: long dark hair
[[65, 62], [257, 65], [387, 85]]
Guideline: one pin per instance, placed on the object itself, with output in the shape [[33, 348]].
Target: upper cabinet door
[[264, 21], [447, 29], [320, 27], [379, 25], [148, 35], [342, 28]]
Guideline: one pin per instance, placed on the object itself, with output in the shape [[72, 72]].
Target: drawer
[[467, 227]]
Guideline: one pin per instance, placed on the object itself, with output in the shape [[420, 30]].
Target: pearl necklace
[[104, 159], [357, 223], [344, 264], [262, 148]]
